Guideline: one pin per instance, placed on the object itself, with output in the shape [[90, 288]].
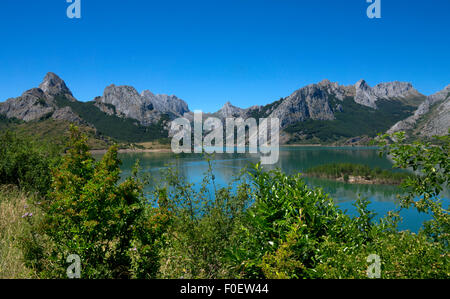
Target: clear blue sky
[[211, 51]]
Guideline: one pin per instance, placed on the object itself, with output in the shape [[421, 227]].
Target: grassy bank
[[358, 173], [14, 204]]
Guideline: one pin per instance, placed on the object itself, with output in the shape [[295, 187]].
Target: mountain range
[[317, 113]]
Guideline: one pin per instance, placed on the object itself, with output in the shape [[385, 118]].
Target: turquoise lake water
[[292, 160]]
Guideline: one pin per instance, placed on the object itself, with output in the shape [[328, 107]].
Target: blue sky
[[208, 52]]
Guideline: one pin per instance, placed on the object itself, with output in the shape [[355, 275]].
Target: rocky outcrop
[[106, 108], [67, 114], [230, 111], [38, 103], [439, 96], [395, 89], [165, 103], [365, 95], [146, 107], [310, 102], [368, 96], [52, 86], [432, 117], [126, 100], [439, 121], [32, 105]]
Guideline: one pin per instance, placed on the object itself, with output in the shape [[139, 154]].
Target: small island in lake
[[358, 174]]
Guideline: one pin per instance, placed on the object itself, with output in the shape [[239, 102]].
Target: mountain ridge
[[306, 114]]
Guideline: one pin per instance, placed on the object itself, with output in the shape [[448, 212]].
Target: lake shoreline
[[133, 151], [328, 145], [169, 150]]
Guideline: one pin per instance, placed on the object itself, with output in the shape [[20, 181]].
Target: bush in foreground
[[25, 163], [110, 226]]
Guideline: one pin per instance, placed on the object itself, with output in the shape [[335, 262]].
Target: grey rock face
[[439, 96], [67, 114], [310, 102], [39, 102], [404, 125], [230, 111], [365, 95], [126, 99], [146, 108], [52, 85], [439, 122], [165, 103], [33, 104], [106, 108], [368, 96], [338, 91], [394, 89], [437, 118]]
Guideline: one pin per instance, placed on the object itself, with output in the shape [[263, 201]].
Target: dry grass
[[13, 204], [153, 145]]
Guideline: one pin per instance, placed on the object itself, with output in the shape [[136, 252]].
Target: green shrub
[[432, 163], [403, 255], [26, 163], [110, 226], [293, 231], [201, 235], [286, 214]]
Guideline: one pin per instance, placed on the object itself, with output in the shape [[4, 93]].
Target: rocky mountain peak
[[325, 82], [38, 103], [227, 105], [145, 107], [309, 102], [395, 89], [126, 100], [368, 96], [54, 85], [364, 94], [147, 94], [228, 110], [361, 84], [439, 96], [163, 103]]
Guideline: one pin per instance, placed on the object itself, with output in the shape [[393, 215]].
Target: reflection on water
[[292, 160]]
